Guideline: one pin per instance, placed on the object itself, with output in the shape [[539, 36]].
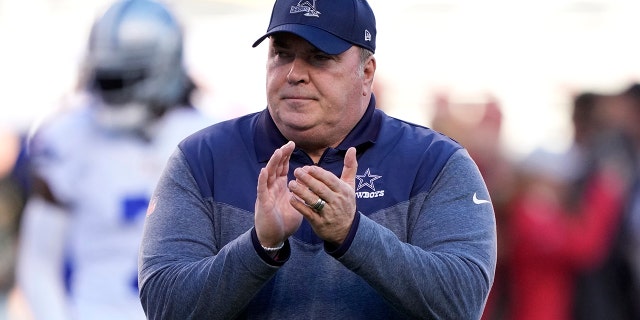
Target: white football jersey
[[106, 180]]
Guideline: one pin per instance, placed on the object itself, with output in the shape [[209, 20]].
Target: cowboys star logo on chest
[[366, 187]]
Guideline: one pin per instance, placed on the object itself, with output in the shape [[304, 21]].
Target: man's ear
[[368, 74]]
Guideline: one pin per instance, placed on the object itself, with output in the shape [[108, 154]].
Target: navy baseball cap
[[332, 26]]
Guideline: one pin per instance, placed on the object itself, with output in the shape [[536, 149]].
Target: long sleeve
[[445, 269], [423, 246], [41, 259], [183, 274]]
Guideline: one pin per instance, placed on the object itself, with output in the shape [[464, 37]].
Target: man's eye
[[282, 54]]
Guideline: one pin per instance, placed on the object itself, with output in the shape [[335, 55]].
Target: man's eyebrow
[[277, 42], [316, 51]]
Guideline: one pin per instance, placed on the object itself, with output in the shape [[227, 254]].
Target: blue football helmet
[[134, 61]]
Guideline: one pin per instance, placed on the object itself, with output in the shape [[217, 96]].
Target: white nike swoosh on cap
[[479, 201]]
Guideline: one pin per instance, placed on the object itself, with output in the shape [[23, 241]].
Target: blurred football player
[[96, 165]]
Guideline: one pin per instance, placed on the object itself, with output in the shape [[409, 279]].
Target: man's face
[[315, 98]]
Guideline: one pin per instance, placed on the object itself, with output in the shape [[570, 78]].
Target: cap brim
[[323, 40]]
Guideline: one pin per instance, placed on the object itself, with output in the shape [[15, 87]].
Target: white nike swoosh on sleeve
[[479, 201]]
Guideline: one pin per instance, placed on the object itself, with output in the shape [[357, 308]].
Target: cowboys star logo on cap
[[344, 23], [306, 6]]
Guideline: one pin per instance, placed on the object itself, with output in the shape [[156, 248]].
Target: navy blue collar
[[267, 138]]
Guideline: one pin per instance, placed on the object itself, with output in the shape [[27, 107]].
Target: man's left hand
[[333, 221]]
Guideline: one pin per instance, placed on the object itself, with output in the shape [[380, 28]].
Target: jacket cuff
[[338, 251], [279, 259]]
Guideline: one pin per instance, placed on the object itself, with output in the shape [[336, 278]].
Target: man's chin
[[297, 121]]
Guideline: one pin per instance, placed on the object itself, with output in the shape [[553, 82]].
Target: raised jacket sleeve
[[182, 275], [446, 268]]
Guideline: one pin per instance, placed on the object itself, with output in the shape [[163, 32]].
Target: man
[[320, 206], [96, 165]]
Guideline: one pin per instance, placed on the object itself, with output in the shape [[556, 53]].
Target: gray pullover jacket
[[422, 245]]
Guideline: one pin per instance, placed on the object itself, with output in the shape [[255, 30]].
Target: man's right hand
[[275, 218]]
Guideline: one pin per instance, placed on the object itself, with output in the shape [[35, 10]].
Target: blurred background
[[540, 92], [531, 56]]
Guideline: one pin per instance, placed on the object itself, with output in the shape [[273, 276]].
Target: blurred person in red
[[476, 123], [564, 216], [551, 245]]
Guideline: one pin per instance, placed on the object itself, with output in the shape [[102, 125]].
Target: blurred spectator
[[96, 163], [604, 130], [613, 290], [476, 124], [551, 244], [632, 222], [12, 200], [564, 219]]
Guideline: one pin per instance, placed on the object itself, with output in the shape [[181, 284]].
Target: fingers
[[310, 184], [322, 183], [333, 220], [278, 164], [286, 152], [262, 183], [273, 218], [313, 182], [277, 167], [350, 168], [301, 206]]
